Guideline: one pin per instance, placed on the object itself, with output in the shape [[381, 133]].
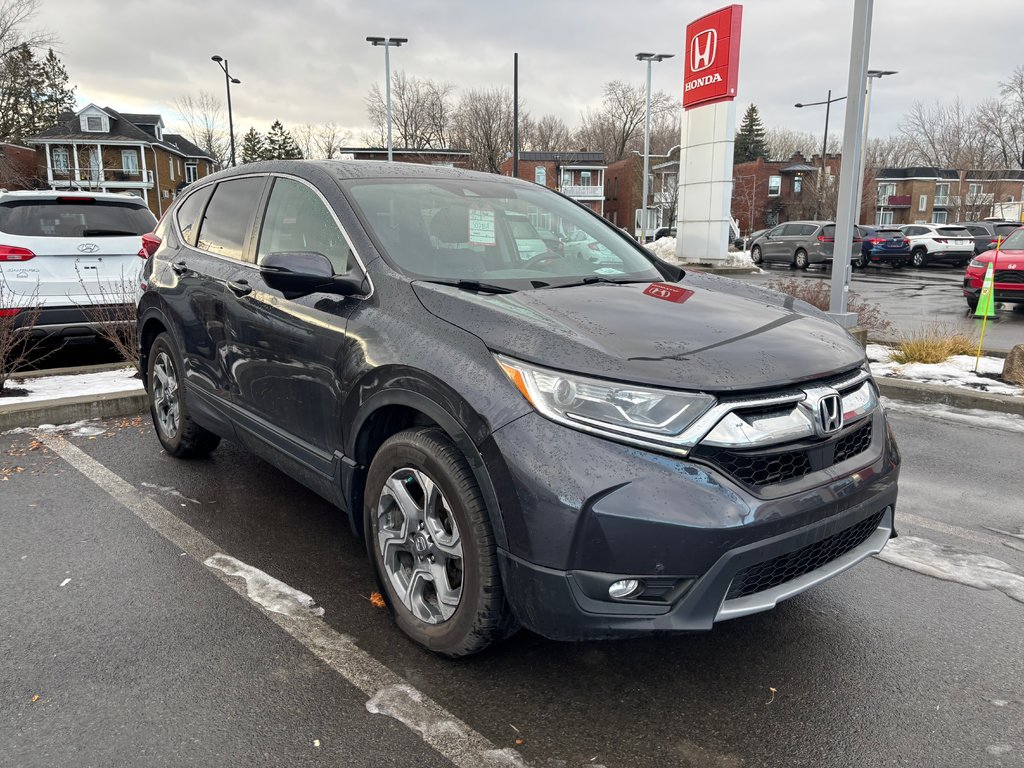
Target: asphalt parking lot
[[121, 647]]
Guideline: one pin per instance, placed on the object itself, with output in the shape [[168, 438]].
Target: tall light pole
[[828, 102], [648, 57], [228, 80], [388, 43], [873, 74]]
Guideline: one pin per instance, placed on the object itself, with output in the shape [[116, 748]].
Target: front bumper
[[715, 549], [1002, 292]]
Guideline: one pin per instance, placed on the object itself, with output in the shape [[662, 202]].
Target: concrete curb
[[917, 392], [68, 409], [71, 371]]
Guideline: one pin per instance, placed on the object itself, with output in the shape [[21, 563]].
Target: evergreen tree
[[750, 141], [280, 145], [253, 147], [33, 94], [56, 95]]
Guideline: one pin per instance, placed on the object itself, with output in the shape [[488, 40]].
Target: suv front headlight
[[640, 415]]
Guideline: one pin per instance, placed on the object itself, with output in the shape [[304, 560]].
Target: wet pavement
[[912, 299], [145, 657]]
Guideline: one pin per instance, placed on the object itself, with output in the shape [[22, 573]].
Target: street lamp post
[[388, 43], [828, 102], [648, 57], [873, 74], [228, 80]]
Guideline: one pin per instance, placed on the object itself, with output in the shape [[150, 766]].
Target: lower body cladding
[[611, 541]]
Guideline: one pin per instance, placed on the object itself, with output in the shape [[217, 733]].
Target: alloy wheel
[[165, 395], [420, 545]]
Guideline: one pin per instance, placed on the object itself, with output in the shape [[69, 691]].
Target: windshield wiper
[[475, 285], [593, 280]]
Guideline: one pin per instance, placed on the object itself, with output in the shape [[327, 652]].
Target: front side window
[[455, 229], [774, 186], [298, 221], [228, 216], [1015, 241]]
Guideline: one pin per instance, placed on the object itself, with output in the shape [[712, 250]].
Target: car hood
[[1007, 259], [704, 333]]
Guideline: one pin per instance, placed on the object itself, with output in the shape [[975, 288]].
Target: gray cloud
[[307, 61]]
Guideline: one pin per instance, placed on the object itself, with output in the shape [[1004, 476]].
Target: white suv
[[938, 242], [75, 250]]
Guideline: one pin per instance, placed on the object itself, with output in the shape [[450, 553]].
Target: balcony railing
[[941, 201], [88, 175], [581, 191], [893, 201]]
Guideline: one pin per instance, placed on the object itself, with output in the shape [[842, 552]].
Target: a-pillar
[[705, 183]]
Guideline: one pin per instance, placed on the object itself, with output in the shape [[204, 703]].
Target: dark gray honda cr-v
[[586, 447]]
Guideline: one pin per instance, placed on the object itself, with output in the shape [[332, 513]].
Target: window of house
[[798, 184], [191, 172], [93, 124], [298, 221], [774, 186], [540, 175], [228, 216], [170, 166], [189, 211], [939, 217], [585, 178], [942, 193], [885, 191], [922, 203], [885, 217], [60, 160], [974, 190], [129, 161]]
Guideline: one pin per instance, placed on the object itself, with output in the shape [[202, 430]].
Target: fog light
[[625, 588]]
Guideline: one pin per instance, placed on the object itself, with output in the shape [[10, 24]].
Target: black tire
[[919, 258], [185, 439], [862, 261], [755, 254], [972, 305], [898, 264], [800, 260], [482, 615]]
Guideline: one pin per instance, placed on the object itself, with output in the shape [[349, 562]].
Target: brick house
[[103, 150], [624, 191], [579, 175], [17, 166], [450, 158], [919, 195]]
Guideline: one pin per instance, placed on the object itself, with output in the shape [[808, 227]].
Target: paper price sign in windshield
[[481, 227]]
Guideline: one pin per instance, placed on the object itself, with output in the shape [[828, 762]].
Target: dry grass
[[818, 292], [934, 344]]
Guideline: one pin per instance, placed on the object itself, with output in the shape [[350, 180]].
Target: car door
[[772, 246], [287, 351], [215, 222]]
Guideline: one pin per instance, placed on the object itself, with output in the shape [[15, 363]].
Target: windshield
[[1015, 241], [458, 229], [75, 218]]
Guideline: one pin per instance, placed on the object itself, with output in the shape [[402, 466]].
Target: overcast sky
[[307, 60]]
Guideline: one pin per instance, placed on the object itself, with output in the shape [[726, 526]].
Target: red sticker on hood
[[668, 292]]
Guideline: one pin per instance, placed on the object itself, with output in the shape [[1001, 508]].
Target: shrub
[[933, 344], [110, 307], [817, 293], [19, 313]]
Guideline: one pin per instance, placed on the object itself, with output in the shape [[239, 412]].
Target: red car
[[1009, 272]]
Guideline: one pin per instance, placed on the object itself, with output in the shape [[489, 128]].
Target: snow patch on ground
[[72, 385], [957, 371], [168, 490], [264, 589], [86, 428], [405, 704], [949, 564], [974, 417], [665, 248]]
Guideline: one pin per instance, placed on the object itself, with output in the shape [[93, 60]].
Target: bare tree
[[783, 143], [617, 126], [948, 136], [19, 315], [203, 123], [328, 140], [422, 112], [548, 134], [305, 138], [483, 125], [15, 15]]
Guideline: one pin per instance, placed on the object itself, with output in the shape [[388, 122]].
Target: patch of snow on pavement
[[974, 417], [957, 371], [264, 589], [948, 564], [72, 385], [85, 428], [167, 489], [405, 704], [665, 248]]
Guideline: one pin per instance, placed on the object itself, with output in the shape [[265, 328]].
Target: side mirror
[[300, 273]]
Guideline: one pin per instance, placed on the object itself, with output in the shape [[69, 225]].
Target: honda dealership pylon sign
[[712, 57]]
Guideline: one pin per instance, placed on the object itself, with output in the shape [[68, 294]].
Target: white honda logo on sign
[[703, 48]]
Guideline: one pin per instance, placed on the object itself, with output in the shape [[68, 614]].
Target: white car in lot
[[72, 253], [938, 242]]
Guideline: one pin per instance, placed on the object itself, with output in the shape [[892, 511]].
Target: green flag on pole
[[986, 306]]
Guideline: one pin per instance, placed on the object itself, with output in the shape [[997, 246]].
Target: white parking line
[[444, 732]]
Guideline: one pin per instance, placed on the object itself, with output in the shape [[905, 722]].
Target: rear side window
[[189, 211], [75, 217], [807, 229], [829, 230], [229, 215]]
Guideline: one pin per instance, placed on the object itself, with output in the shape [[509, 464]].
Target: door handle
[[240, 287], [179, 268]]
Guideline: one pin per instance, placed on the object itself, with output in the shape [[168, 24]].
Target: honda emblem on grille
[[829, 414]]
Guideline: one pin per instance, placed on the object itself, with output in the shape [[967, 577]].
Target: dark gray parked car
[[987, 233], [587, 449], [800, 244]]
